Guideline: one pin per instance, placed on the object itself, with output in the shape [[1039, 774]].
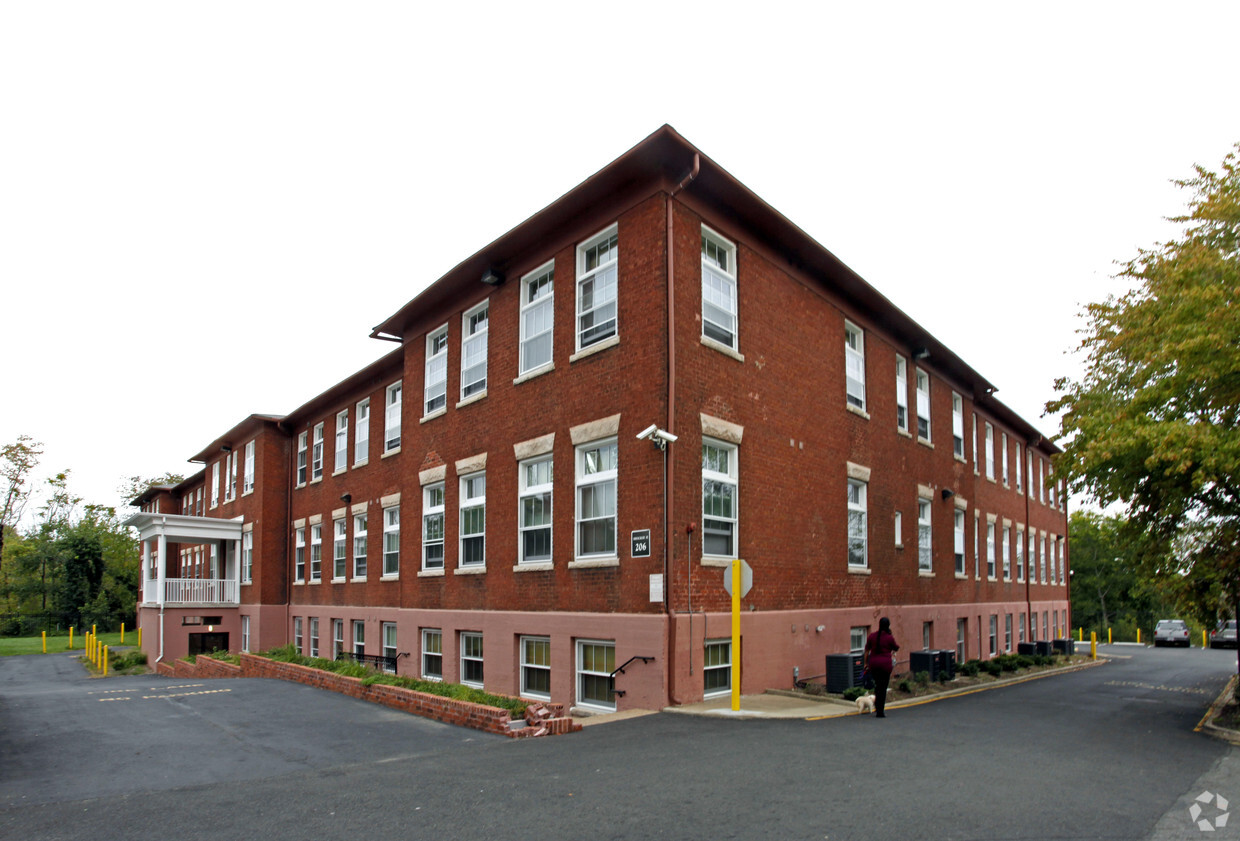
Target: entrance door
[[206, 643]]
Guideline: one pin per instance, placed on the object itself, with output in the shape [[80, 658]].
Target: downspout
[[288, 523], [1029, 569], [670, 469]]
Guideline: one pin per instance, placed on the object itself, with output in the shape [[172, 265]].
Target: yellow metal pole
[[1080, 635], [70, 639], [736, 635], [105, 661], [1138, 636], [122, 633], [139, 638], [94, 630], [45, 642], [1093, 645], [1203, 638]]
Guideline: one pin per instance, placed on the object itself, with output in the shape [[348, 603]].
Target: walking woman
[[879, 661]]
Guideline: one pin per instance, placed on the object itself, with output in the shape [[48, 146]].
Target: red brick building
[[481, 504]]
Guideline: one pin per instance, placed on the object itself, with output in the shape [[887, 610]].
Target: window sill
[[362, 463], [991, 579], [393, 577], [359, 579], [438, 413], [716, 562], [959, 458], [539, 566], [430, 573], [860, 571], [856, 410], [299, 487], [545, 368], [903, 432], [315, 581], [247, 493], [478, 569], [899, 547], [298, 583], [714, 344], [340, 472], [389, 453], [338, 580], [925, 442], [593, 563], [597, 347], [962, 576], [925, 573], [473, 398], [316, 480], [990, 479]]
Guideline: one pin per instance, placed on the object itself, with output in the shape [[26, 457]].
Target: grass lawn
[[55, 644]]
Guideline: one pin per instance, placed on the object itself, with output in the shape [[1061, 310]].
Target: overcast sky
[[205, 208]]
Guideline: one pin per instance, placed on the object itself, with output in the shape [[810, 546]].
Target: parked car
[[1171, 632], [1224, 636]]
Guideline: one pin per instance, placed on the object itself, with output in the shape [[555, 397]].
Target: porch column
[[236, 571], [146, 569], [162, 561]]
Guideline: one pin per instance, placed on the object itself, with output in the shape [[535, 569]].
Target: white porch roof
[[182, 528]]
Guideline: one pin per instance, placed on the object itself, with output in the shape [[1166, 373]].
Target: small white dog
[[865, 704]]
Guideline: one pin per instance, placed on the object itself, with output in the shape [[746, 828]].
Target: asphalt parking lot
[[1108, 752]]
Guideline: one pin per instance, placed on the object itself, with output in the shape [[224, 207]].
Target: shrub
[[132, 661], [922, 678], [970, 668], [852, 693], [223, 654], [1024, 661], [991, 667]]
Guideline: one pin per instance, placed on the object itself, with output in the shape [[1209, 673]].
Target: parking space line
[[186, 694]]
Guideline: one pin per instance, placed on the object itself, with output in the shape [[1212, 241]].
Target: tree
[[17, 460], [1107, 591], [132, 486], [1153, 421]]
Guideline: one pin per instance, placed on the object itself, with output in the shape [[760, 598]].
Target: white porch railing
[[200, 591]]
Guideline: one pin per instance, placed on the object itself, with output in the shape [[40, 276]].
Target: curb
[[1207, 725]]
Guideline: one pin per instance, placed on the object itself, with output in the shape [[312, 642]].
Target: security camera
[[664, 435], [648, 431]]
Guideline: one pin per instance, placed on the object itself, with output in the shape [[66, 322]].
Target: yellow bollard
[[1093, 645], [70, 639], [45, 642], [1203, 638], [1108, 636], [122, 633], [1138, 636], [1080, 635], [139, 638], [105, 661]]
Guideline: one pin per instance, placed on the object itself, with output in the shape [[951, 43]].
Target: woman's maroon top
[[880, 646]]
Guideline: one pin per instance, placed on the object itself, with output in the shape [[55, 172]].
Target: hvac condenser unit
[[843, 671]]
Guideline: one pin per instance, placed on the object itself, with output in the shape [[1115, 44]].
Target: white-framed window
[[535, 487], [1042, 558], [215, 484], [389, 646], [1006, 544], [471, 659], [990, 452], [957, 425], [857, 636], [361, 435], [597, 282], [990, 550], [923, 405], [299, 555], [976, 468], [717, 668], [925, 558], [316, 553], [245, 633], [596, 660], [537, 317], [1041, 484], [248, 470], [301, 457], [1060, 561], [858, 529], [359, 637], [927, 635], [200, 499], [314, 636], [316, 454], [391, 417], [718, 289], [473, 504], [720, 500], [297, 635], [340, 548], [360, 523], [436, 389], [1003, 458], [958, 540], [247, 557], [230, 490], [962, 631], [474, 351], [432, 654], [597, 468], [854, 365], [1029, 473], [1007, 632], [1019, 544], [342, 440], [391, 541], [901, 393], [432, 526], [536, 667], [899, 528], [337, 638], [1019, 478], [1033, 554], [994, 634]]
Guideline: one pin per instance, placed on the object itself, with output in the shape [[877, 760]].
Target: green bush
[[852, 693], [922, 678], [991, 667], [133, 660], [970, 668]]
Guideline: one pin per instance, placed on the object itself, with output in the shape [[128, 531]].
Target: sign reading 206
[[641, 544]]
